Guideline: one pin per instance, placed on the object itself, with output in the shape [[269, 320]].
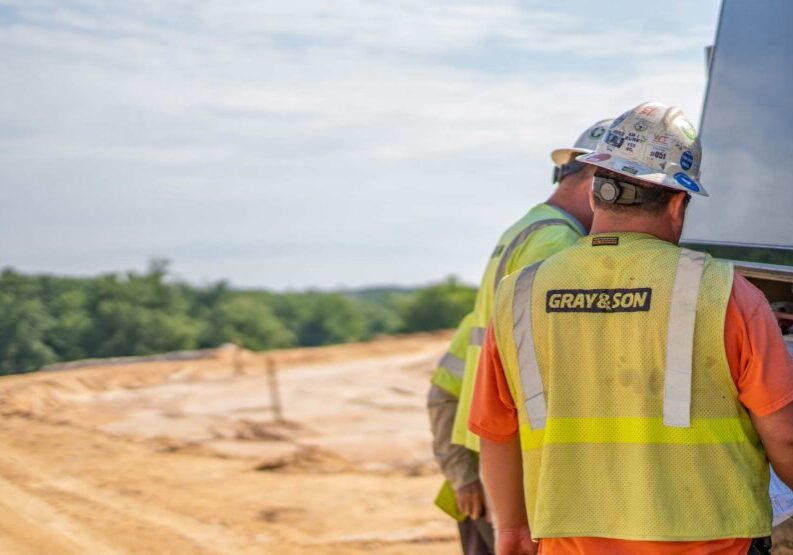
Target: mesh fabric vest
[[602, 461], [542, 217]]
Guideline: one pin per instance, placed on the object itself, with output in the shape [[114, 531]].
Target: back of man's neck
[[580, 212], [602, 225]]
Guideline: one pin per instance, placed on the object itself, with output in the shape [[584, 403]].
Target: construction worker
[[631, 393], [546, 229]]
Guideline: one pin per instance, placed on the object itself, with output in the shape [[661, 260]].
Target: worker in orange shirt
[[631, 393]]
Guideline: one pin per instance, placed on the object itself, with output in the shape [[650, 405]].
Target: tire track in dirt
[[204, 537], [41, 523]]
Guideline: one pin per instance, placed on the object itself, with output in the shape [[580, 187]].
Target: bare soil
[[186, 457]]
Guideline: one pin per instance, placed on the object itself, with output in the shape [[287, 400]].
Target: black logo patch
[[601, 241], [599, 300]]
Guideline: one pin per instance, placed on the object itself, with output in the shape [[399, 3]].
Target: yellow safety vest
[[630, 423], [542, 232]]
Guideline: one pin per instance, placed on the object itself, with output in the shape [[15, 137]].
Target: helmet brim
[[680, 181], [562, 156]]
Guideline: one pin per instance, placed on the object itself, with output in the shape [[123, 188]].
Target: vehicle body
[[747, 140]]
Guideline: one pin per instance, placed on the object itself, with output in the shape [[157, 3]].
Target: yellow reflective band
[[633, 430]]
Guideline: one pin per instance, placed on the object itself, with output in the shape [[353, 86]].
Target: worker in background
[[631, 393], [546, 229]]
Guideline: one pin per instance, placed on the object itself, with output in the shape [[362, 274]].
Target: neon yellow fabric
[[605, 464], [449, 379], [539, 245], [446, 500], [635, 430]]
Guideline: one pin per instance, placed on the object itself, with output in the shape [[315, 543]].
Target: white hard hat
[[653, 143], [585, 144]]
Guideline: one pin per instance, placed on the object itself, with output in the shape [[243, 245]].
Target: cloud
[[161, 126]]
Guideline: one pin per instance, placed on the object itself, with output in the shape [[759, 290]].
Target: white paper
[[781, 499]]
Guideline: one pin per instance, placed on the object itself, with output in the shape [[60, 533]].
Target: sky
[[288, 145]]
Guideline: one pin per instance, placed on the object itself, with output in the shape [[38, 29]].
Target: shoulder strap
[[519, 239]]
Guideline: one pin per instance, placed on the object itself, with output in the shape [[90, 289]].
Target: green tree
[[248, 321], [437, 307], [71, 323], [330, 318], [139, 315], [45, 319], [23, 327]]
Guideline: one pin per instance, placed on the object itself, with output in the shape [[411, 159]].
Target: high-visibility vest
[[630, 424], [543, 231]]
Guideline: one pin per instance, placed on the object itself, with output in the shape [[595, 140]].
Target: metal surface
[[764, 271], [747, 131]]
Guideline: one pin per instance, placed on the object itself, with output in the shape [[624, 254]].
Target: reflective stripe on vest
[[679, 343], [680, 339], [519, 239], [453, 364], [530, 378], [477, 335]]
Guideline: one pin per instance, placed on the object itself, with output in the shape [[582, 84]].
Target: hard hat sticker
[[648, 110], [615, 138], [597, 132], [660, 139], [688, 130], [685, 181], [686, 160], [597, 157]]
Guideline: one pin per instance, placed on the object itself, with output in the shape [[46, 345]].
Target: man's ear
[[591, 200], [676, 210]]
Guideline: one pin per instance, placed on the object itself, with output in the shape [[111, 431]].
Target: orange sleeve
[[760, 363], [493, 415]]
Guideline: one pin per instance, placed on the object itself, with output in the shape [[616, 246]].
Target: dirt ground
[[187, 457]]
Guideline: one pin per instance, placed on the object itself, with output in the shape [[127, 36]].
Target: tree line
[[46, 319]]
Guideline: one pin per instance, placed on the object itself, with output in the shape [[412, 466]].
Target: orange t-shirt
[[759, 363]]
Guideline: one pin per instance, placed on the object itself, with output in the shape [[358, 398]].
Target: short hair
[[565, 170], [655, 198]]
